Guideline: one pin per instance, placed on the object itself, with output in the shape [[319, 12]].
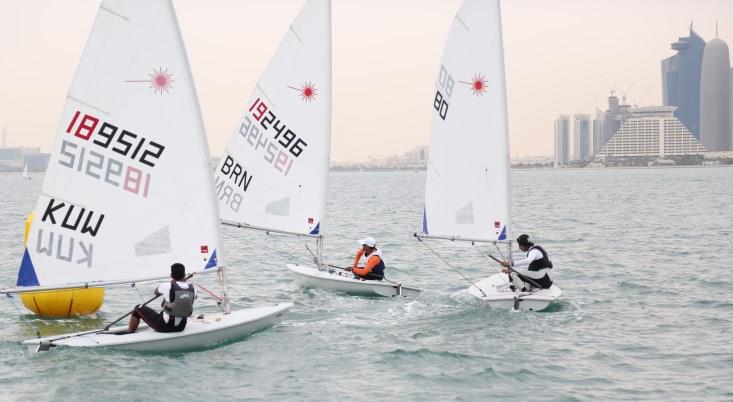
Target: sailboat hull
[[209, 330], [342, 281], [497, 294]]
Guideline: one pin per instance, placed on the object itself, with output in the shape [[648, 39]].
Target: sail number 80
[[440, 105], [445, 82]]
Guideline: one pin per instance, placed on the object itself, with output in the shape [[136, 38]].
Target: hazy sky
[[562, 56]]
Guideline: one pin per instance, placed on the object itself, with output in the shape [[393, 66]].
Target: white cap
[[369, 241]]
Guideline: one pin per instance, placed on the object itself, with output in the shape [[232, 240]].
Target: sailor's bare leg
[[134, 323]]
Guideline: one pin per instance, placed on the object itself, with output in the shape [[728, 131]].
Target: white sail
[[275, 169], [125, 193], [467, 188]]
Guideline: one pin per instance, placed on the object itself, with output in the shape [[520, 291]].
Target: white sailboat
[[467, 191], [274, 174], [123, 195], [25, 173]]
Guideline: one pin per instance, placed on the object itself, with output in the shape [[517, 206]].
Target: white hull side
[[342, 281], [496, 294], [213, 329]]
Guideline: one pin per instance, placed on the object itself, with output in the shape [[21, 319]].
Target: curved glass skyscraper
[[681, 80]]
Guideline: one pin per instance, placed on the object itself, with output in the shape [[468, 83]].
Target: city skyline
[[382, 79], [696, 89]]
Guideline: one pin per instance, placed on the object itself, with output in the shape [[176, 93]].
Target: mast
[[204, 146], [507, 155]]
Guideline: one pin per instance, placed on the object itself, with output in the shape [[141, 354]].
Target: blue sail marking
[[316, 229], [212, 261], [27, 273], [425, 220], [502, 235]]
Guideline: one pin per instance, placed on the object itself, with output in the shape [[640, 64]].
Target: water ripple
[[645, 312]]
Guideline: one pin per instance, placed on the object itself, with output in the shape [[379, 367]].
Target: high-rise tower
[[582, 128], [614, 117], [681, 80], [715, 97], [598, 132], [562, 140]]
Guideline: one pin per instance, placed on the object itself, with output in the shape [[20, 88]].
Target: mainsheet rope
[[139, 293], [450, 266], [488, 257], [498, 250]]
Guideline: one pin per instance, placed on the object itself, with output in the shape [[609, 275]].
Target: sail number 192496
[[282, 147]]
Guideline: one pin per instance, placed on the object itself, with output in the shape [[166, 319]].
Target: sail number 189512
[[109, 153]]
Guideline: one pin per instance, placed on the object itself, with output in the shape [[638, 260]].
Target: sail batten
[[274, 172], [467, 184], [103, 8], [111, 209]]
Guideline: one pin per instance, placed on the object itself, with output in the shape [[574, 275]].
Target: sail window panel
[[157, 243]]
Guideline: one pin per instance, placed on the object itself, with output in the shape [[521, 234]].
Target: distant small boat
[[25, 173]]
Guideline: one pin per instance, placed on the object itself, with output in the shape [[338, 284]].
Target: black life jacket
[[542, 263], [181, 304]]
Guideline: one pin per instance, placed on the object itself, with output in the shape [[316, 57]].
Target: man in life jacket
[[374, 267], [177, 305], [534, 270]]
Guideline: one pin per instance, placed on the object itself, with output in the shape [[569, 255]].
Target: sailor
[[374, 267], [178, 296], [534, 270]]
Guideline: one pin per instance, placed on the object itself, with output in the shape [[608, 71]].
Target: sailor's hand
[[348, 269], [506, 263]]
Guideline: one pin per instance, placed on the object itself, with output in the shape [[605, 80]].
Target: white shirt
[[165, 289], [522, 266], [532, 255]]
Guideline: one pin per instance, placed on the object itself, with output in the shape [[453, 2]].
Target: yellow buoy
[[64, 303], [61, 303]]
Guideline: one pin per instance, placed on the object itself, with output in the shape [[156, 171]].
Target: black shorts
[[155, 320], [545, 282]]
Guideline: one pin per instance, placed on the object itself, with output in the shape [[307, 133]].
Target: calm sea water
[[644, 258]]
